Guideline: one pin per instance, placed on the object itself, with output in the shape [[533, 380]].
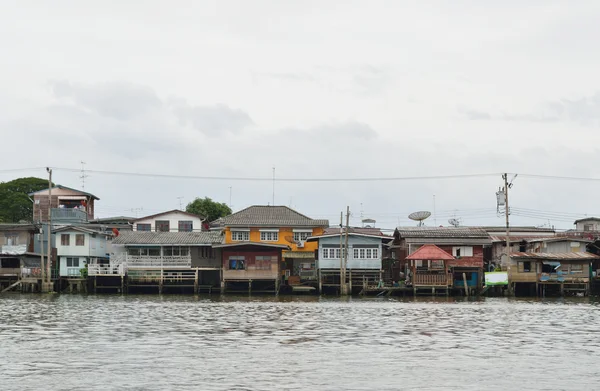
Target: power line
[[277, 179]]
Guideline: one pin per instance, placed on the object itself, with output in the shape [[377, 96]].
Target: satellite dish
[[419, 216], [454, 222]]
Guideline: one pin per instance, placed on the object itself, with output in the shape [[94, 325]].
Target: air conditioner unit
[[300, 244]]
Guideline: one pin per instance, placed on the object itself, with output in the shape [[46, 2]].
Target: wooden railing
[[105, 269], [429, 279]]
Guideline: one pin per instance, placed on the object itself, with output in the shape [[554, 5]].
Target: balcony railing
[[430, 279], [106, 269], [66, 215], [14, 249]]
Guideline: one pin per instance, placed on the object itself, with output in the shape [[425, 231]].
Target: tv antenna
[[419, 216], [180, 203], [83, 175]]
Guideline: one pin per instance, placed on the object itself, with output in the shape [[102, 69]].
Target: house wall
[[566, 246], [285, 237], [476, 260], [173, 219], [12, 239], [517, 274], [200, 260], [353, 263], [251, 272], [581, 226], [41, 202], [93, 246], [66, 271]]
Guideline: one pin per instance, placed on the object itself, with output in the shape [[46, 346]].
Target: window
[[525, 267], [264, 262], [174, 251], [463, 251], [240, 236], [144, 227], [301, 236], [331, 253], [65, 239], [576, 268], [326, 253], [375, 253], [12, 239], [362, 253], [162, 226], [588, 227], [269, 236], [80, 240], [355, 253], [237, 263], [206, 252], [186, 226], [72, 262]]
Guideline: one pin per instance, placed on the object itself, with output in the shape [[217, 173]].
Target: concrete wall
[[94, 246]]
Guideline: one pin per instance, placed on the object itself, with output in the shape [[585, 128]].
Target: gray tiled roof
[[442, 232], [167, 238], [271, 216]]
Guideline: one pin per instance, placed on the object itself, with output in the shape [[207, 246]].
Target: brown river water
[[72, 342]]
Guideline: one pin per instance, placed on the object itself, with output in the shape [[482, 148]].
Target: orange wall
[[284, 234]]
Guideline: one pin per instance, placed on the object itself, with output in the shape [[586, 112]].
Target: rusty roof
[[575, 256], [442, 232], [430, 252]]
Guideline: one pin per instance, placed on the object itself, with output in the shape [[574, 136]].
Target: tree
[[15, 204], [208, 208]]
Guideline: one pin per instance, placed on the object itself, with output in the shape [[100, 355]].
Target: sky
[[317, 89]]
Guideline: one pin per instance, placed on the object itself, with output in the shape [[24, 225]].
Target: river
[[73, 342]]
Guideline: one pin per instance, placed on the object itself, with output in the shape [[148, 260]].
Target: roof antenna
[[83, 175], [273, 185]]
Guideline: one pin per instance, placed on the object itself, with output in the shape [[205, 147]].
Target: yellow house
[[278, 225]]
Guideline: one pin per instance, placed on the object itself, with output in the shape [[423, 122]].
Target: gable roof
[[335, 232], [445, 235], [271, 216], [168, 238], [355, 230], [81, 229], [65, 188], [430, 252], [124, 219], [167, 212], [587, 219]]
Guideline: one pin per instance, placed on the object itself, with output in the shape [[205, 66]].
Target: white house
[[588, 224], [171, 221], [77, 246]]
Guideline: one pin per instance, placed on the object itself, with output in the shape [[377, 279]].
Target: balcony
[[106, 269], [432, 279], [69, 215]]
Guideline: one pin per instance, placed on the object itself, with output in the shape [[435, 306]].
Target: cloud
[[117, 100], [213, 120], [583, 111], [339, 130], [474, 115]]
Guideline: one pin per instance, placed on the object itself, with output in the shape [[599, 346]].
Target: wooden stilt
[[466, 285], [196, 278]]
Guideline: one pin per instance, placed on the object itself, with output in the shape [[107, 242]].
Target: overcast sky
[[328, 89]]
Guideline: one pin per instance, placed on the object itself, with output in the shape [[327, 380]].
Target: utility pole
[[346, 249], [47, 285], [342, 270]]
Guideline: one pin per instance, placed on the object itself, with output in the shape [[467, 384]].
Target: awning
[[299, 254], [551, 263]]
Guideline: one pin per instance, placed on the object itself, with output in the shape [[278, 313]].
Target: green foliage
[[15, 204], [84, 272], [208, 208]]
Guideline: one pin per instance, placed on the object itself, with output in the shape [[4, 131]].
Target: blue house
[[363, 263]]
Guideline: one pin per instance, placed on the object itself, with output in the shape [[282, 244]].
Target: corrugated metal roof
[[442, 232], [430, 252], [256, 244], [518, 238], [557, 256], [270, 216], [167, 238], [450, 241], [357, 230]]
